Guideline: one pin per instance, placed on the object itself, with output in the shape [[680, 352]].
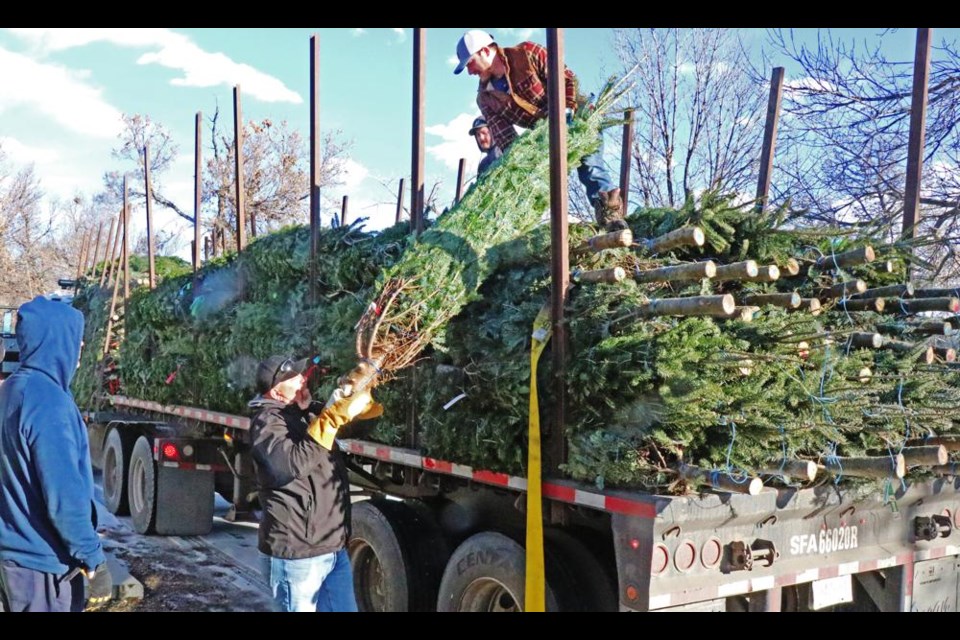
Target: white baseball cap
[[471, 42]]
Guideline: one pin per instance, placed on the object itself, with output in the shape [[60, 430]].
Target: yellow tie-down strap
[[534, 589]]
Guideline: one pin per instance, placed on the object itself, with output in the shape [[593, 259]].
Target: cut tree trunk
[[721, 306], [682, 237], [766, 273], [721, 481], [934, 329], [870, 304], [678, 273], [864, 340], [950, 443], [805, 470], [847, 258], [612, 275], [613, 240], [866, 467], [937, 293], [737, 271], [892, 291], [785, 300], [843, 289], [692, 306], [916, 305], [924, 455]]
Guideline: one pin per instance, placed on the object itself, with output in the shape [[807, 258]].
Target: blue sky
[[64, 91]]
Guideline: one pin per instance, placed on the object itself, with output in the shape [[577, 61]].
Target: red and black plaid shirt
[[502, 111]]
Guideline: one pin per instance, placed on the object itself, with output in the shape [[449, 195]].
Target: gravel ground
[[182, 574]]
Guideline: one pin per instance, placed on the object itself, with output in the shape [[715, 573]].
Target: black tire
[[487, 573], [596, 586], [142, 487], [397, 554], [116, 464]]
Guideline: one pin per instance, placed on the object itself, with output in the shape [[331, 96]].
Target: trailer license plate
[[831, 591]]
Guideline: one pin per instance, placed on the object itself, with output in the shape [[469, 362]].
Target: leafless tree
[[698, 113], [843, 138], [165, 243], [139, 131], [38, 244], [275, 175], [23, 234]]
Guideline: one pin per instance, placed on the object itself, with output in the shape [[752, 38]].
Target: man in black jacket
[[304, 491]]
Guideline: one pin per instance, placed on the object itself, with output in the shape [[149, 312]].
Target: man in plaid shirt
[[513, 91]]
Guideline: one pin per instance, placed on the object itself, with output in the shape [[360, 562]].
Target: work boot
[[609, 210]]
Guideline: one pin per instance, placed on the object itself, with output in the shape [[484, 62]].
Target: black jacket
[[304, 489]]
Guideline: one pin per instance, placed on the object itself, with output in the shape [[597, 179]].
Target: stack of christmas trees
[[710, 345]]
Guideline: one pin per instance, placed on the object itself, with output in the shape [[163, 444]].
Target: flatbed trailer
[[430, 534]]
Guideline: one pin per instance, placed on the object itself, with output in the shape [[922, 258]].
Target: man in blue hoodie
[[48, 536]]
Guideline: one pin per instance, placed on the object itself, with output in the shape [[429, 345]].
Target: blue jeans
[[24, 589], [321, 583], [593, 174]]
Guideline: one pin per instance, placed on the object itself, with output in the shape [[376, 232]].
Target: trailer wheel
[[116, 465], [596, 587], [142, 487], [487, 573], [397, 554]]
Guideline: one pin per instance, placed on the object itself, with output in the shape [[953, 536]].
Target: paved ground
[[216, 572]]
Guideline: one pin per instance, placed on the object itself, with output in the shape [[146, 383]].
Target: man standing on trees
[[513, 91], [303, 487]]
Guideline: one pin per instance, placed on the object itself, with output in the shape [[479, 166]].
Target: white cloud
[[359, 32], [401, 34], [57, 92], [520, 34], [354, 174], [380, 214], [455, 143], [453, 61], [172, 50], [22, 154], [686, 68], [49, 40]]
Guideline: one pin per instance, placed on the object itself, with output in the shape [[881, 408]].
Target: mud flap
[[184, 501]]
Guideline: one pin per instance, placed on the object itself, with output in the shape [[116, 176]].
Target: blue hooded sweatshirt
[[46, 480]]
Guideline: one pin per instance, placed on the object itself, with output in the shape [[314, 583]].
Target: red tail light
[[170, 451]]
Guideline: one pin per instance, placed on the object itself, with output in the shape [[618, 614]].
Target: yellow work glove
[[341, 410]]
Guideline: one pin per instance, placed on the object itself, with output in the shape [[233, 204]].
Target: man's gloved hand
[[99, 587], [339, 411]]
